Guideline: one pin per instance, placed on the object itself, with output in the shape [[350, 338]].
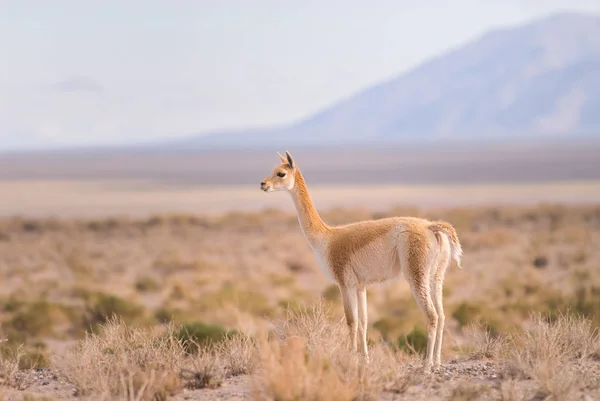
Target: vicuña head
[[358, 254], [282, 176]]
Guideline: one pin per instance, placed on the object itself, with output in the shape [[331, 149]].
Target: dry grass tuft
[[238, 353], [9, 367], [486, 344], [290, 372], [310, 359], [124, 361], [139, 384], [314, 323], [130, 362], [206, 370], [545, 352]]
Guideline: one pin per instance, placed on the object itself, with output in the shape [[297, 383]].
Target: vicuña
[[358, 254]]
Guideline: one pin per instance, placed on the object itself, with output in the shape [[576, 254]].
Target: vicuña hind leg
[[350, 301], [421, 291], [363, 320], [437, 295]]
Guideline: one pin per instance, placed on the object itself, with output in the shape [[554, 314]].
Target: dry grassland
[[233, 306]]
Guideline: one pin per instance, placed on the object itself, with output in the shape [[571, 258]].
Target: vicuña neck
[[310, 221]]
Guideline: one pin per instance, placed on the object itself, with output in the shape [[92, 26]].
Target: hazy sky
[[105, 71]]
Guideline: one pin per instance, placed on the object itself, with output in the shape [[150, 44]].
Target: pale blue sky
[[114, 71]]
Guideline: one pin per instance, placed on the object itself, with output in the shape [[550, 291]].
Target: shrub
[[332, 293], [125, 362], [544, 350], [10, 360], [24, 356], [587, 302], [32, 320], [289, 374], [296, 266], [206, 371], [310, 359], [487, 344], [35, 356], [384, 326], [237, 353], [195, 335], [466, 313], [251, 301], [101, 307], [146, 284], [540, 262], [415, 341]]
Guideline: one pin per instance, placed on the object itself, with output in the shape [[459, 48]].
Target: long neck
[[310, 221]]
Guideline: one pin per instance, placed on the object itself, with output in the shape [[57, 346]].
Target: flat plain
[[120, 285]]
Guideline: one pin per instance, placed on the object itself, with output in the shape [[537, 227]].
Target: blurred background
[[173, 100], [134, 136]]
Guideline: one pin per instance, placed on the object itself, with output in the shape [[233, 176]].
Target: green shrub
[[100, 307], [385, 326], [146, 284], [164, 315], [197, 334], [37, 319], [253, 302], [34, 358], [290, 304], [587, 303], [466, 313], [332, 293], [415, 340], [26, 356]]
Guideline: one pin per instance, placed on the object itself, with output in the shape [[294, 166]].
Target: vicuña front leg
[[363, 320], [349, 298]]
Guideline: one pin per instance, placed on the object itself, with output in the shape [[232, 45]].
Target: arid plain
[[172, 276]]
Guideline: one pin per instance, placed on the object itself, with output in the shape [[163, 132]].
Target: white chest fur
[[318, 245], [320, 250]]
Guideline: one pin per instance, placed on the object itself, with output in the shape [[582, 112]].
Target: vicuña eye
[[281, 175]]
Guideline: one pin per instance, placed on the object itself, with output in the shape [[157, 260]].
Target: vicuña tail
[[455, 248]]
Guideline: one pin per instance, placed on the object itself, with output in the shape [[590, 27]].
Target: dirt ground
[[455, 380]]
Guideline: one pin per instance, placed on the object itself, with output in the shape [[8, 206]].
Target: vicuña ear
[[290, 160], [283, 159]]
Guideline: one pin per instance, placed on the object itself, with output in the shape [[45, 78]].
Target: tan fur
[[313, 225], [445, 227], [348, 240], [358, 254]]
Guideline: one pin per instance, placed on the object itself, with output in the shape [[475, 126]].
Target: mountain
[[541, 79]]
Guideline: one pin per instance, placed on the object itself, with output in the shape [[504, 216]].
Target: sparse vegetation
[[10, 360], [150, 307], [100, 307], [205, 370], [238, 352], [124, 361], [196, 335], [546, 351]]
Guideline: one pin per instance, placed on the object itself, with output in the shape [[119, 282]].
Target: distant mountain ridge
[[540, 79]]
